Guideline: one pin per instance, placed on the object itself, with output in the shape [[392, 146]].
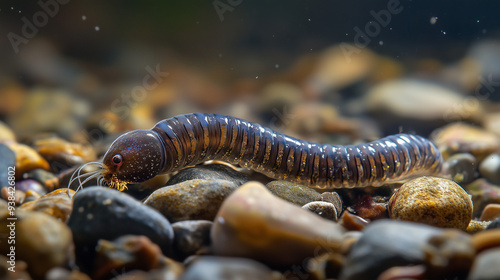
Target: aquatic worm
[[190, 139]]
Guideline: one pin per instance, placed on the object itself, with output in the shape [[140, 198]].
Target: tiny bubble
[[477, 21], [97, 28], [309, 19], [390, 28], [256, 77], [444, 32], [221, 220], [12, 8], [277, 66], [433, 20], [381, 43], [84, 17]]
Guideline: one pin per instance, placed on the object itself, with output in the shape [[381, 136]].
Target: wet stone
[[352, 222], [490, 212], [209, 268], [495, 224], [385, 244], [486, 265], [477, 226], [124, 254], [433, 201], [334, 199], [464, 138], [41, 241], [490, 168], [191, 238], [56, 204], [253, 223], [7, 160], [191, 200], [102, 213], [462, 168], [31, 185], [482, 193], [209, 172], [62, 154], [485, 240], [293, 192], [323, 209], [27, 159], [46, 178]]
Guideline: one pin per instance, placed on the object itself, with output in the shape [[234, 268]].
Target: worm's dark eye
[[117, 159]]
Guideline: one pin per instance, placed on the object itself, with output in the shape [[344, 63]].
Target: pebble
[[30, 185], [209, 268], [6, 134], [126, 253], [62, 113], [477, 226], [490, 168], [191, 238], [56, 204], [41, 241], [465, 138], [490, 212], [18, 195], [491, 122], [197, 199], [334, 199], [494, 224], [44, 177], [485, 240], [462, 168], [63, 154], [386, 243], [255, 224], [27, 159], [433, 201], [209, 172], [352, 222], [103, 213], [486, 265], [7, 160], [323, 209], [482, 193], [407, 101], [293, 192]]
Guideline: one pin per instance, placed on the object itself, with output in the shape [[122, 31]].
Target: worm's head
[[134, 157]]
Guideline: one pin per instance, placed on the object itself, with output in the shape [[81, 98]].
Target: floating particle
[[84, 17], [433, 20], [97, 28], [277, 66], [381, 42]]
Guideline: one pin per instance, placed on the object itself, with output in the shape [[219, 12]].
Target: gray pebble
[[462, 168], [211, 172], [490, 168], [191, 200], [384, 244], [486, 265], [103, 213], [222, 268], [324, 209], [191, 237], [494, 224], [292, 192]]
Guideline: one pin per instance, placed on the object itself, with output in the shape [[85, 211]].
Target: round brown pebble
[[324, 209], [433, 201], [490, 212]]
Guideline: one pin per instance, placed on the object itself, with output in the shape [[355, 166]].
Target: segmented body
[[194, 138]]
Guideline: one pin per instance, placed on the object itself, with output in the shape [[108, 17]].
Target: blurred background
[[331, 71]]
